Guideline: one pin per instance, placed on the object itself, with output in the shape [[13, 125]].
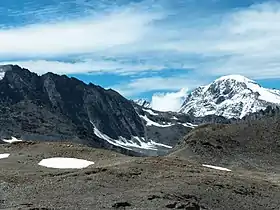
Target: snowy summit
[[232, 96]]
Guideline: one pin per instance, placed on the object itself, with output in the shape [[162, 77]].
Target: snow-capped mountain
[[143, 103], [232, 96]]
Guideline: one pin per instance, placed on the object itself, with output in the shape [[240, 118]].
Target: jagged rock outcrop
[[58, 108], [143, 103]]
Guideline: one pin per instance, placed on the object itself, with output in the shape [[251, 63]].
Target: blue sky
[[143, 48]]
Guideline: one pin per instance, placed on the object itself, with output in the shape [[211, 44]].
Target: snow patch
[[189, 125], [161, 145], [65, 163], [150, 122], [2, 75], [6, 155], [130, 144], [12, 140], [216, 167], [150, 112]]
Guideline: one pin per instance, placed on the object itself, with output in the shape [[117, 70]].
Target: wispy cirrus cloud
[[96, 34], [85, 66]]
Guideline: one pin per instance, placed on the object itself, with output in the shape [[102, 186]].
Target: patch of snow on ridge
[[2, 75], [6, 155], [265, 94], [12, 140], [189, 125], [161, 145], [216, 167], [150, 112], [65, 163], [130, 144], [150, 122]]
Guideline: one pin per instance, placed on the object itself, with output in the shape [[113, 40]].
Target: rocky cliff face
[[58, 108]]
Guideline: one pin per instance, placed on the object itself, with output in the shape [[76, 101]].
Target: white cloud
[[245, 41], [241, 41], [91, 34], [171, 101], [85, 66], [156, 84]]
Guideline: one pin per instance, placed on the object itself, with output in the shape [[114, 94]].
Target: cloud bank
[[168, 101], [151, 84], [133, 38]]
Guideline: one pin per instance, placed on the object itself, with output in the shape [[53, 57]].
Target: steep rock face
[[231, 96], [106, 109], [58, 108]]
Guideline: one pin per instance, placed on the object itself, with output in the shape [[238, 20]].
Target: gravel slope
[[121, 182], [252, 144]]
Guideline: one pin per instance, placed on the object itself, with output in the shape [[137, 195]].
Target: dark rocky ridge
[[58, 108]]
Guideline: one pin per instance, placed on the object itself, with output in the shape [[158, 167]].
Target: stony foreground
[[116, 181]]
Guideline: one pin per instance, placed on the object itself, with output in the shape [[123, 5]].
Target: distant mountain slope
[[143, 103], [232, 96]]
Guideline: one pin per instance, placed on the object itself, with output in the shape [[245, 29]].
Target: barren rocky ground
[[116, 181]]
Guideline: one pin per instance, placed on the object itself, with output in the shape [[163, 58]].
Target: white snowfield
[[5, 155], [12, 140], [65, 163], [232, 96], [129, 144], [216, 167]]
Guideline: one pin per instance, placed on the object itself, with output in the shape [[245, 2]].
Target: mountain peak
[[8, 67], [232, 96], [235, 77]]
